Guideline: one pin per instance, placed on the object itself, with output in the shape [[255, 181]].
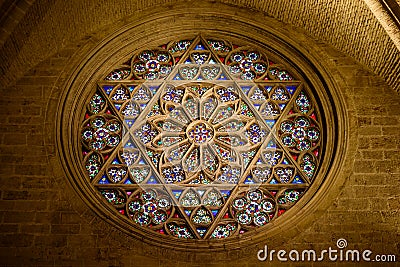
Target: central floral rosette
[[199, 133]]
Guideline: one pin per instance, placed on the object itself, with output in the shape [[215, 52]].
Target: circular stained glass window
[[201, 139]]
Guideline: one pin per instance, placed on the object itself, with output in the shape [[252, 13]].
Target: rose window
[[202, 139]]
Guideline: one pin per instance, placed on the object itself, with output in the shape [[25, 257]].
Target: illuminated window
[[202, 138]]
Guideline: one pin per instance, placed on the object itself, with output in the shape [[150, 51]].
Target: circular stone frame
[[82, 83]]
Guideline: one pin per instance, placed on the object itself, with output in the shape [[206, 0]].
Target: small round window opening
[[201, 139]]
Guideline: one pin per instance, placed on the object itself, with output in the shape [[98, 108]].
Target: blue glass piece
[[107, 89], [282, 106], [177, 77], [249, 180], [297, 180], [130, 122], [246, 89], [104, 180], [200, 192], [177, 193], [222, 77], [188, 61], [142, 106], [130, 144], [188, 212], [116, 161], [128, 181], [199, 47], [142, 162], [152, 180], [201, 230], [154, 89], [214, 212], [273, 181], [225, 193], [117, 106], [131, 88], [268, 88], [270, 123], [285, 161], [257, 106], [291, 88], [271, 144]]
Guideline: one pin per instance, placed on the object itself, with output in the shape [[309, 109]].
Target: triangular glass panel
[[131, 87], [177, 193], [246, 89], [130, 123], [129, 144], [177, 77], [116, 161], [225, 193], [282, 106], [214, 212], [200, 192], [222, 77], [285, 161], [270, 123], [268, 88], [201, 231], [118, 106], [107, 88], [142, 162], [154, 89], [273, 181], [249, 180], [199, 47], [271, 144], [104, 180], [297, 180], [128, 181], [188, 212], [142, 106], [152, 180], [257, 106], [291, 88]]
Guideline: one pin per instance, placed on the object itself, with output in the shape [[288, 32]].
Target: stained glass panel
[[201, 139]]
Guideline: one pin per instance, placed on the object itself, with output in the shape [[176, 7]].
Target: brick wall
[[44, 223]]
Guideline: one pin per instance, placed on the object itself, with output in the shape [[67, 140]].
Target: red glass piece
[[177, 59], [108, 111], [316, 152], [273, 193], [87, 116], [235, 46], [161, 231], [222, 59], [122, 212], [294, 156], [280, 212], [271, 63], [313, 116], [106, 157], [291, 111], [226, 215]]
